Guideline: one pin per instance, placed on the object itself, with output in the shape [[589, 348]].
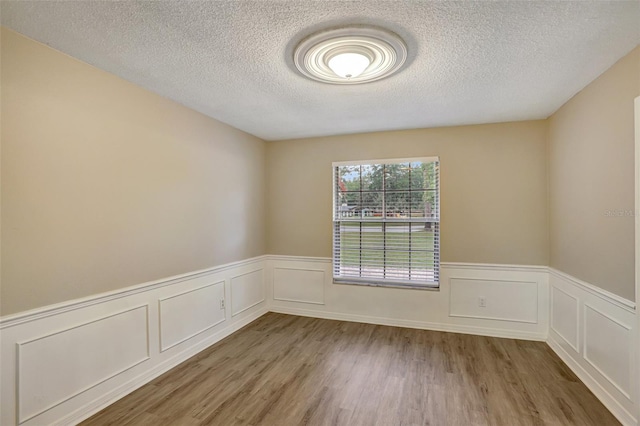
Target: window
[[386, 222]]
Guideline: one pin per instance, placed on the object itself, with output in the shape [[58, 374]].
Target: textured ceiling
[[469, 62]]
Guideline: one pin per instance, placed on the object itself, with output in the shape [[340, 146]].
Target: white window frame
[[424, 285]]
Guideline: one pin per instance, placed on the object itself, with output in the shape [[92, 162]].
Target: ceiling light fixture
[[351, 55]]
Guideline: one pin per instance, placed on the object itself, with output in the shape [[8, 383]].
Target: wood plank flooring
[[288, 370]]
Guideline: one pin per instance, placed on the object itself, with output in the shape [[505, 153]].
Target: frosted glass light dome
[[349, 65]]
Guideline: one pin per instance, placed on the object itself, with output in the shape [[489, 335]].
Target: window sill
[[430, 287]]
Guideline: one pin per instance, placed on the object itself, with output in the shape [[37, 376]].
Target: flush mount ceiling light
[[351, 55]]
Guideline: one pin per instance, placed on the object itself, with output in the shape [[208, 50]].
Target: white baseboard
[[421, 325]]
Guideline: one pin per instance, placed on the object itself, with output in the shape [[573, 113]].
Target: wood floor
[[287, 370]]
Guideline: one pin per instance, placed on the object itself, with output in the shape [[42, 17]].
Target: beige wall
[[493, 194], [106, 185], [591, 173]]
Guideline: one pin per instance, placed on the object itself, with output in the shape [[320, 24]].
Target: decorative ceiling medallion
[[350, 55]]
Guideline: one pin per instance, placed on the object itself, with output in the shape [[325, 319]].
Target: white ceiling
[[469, 62]]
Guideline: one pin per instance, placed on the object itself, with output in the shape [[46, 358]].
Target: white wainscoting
[[103, 348], [286, 285], [593, 332], [565, 316], [201, 305], [506, 300], [247, 290], [120, 341], [516, 298]]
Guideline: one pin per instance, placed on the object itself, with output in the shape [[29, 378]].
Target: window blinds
[[386, 222]]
